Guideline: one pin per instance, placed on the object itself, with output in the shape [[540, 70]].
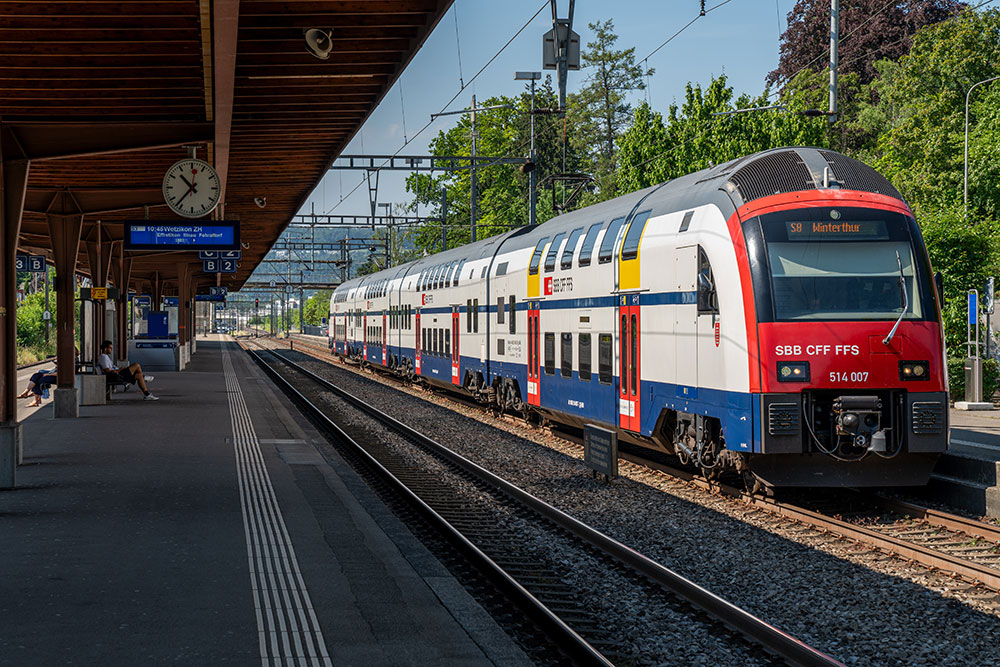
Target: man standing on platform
[[131, 375]]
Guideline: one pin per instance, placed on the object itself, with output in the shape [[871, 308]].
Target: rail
[[773, 639]]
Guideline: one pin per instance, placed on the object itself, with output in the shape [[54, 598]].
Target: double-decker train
[[774, 316]]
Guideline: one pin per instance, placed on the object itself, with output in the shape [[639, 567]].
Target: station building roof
[[102, 97]]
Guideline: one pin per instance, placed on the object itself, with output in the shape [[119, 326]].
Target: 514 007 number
[[844, 376]]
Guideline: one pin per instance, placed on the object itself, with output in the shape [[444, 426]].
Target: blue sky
[[739, 39]]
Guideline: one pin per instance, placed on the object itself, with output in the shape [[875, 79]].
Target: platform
[[209, 528]]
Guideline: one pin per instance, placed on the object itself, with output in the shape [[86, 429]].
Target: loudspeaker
[[319, 42]]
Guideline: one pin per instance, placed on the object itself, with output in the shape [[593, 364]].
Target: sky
[[738, 38]]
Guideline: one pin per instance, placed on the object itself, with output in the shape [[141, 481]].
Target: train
[[774, 317]]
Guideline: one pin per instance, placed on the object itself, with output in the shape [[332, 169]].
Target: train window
[[686, 222], [630, 246], [607, 250], [585, 357], [468, 316], [447, 342], [708, 297], [588, 244], [500, 347], [502, 269], [566, 354], [423, 340], [513, 318], [550, 354], [483, 273], [452, 275], [550, 258], [475, 316], [604, 374], [500, 309], [567, 256], [458, 272], [536, 257]]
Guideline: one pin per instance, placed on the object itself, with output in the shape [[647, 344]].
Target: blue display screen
[[159, 235]]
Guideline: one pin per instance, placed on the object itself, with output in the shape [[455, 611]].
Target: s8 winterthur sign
[[167, 235]]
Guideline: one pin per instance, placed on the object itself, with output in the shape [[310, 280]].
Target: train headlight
[[914, 370], [793, 371]]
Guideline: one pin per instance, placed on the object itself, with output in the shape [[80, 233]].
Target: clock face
[[191, 188]]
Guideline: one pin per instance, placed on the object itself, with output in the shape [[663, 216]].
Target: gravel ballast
[[858, 605]]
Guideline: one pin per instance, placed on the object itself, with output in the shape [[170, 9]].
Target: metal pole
[[532, 182], [965, 177], [444, 219], [472, 198], [834, 43]]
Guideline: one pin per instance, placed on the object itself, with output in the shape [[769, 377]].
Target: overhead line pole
[[834, 57]]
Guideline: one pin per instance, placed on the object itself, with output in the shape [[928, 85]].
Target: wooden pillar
[[99, 259], [157, 292], [64, 231], [122, 271], [13, 187]]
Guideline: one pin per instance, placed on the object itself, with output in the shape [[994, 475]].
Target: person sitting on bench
[[131, 375], [38, 385]]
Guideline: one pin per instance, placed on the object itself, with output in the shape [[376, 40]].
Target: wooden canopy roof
[[102, 97]]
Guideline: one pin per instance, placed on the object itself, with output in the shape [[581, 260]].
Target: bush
[[956, 378]]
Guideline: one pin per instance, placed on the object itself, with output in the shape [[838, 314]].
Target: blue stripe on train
[[598, 402]]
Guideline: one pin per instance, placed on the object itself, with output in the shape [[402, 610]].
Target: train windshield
[[845, 264]]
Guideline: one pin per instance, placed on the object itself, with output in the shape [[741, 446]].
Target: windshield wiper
[[906, 301]]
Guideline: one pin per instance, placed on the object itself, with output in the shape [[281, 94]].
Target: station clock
[[191, 188]]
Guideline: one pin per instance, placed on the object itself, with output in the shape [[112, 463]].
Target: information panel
[[844, 230], [600, 450], [167, 235]]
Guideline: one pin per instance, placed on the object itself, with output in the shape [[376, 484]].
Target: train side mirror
[[939, 285]]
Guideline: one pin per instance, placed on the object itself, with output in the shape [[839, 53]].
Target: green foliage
[[965, 252], [654, 149], [317, 307], [502, 189], [30, 325], [956, 378], [919, 116], [600, 111]]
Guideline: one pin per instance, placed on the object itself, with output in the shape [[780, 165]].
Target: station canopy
[[102, 97]]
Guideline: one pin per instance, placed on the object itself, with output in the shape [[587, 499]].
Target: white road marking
[[289, 632]]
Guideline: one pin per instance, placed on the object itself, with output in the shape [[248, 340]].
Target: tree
[[966, 253], [502, 189], [871, 30], [317, 307], [919, 116], [601, 111], [654, 149]]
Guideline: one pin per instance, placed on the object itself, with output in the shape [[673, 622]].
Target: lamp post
[[965, 176], [532, 199]]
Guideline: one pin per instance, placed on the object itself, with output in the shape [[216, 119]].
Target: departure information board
[[168, 235], [843, 230]]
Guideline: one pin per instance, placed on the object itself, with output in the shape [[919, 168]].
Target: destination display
[[162, 235], [845, 230]]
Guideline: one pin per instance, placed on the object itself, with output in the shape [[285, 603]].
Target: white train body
[[643, 314]]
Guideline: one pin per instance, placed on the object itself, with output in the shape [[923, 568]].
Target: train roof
[[728, 186]]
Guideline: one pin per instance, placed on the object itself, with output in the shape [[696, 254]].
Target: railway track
[[958, 546], [536, 585]]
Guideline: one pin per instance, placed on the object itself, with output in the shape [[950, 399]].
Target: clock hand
[[185, 195], [186, 181]]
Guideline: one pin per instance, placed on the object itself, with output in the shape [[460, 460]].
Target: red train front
[[851, 367]]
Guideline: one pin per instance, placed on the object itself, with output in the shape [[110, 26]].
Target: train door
[[385, 340], [629, 355], [534, 379], [364, 338], [686, 322], [455, 356], [416, 330]]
